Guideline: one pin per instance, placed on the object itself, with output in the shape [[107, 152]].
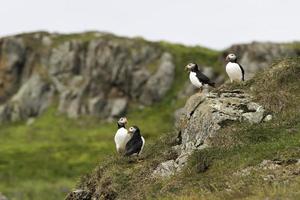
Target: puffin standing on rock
[[122, 136], [234, 70], [197, 78], [136, 144]]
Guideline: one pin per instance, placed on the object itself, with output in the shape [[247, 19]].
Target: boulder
[[201, 118]]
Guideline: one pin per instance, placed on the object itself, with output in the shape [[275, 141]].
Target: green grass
[[210, 172], [49, 154]]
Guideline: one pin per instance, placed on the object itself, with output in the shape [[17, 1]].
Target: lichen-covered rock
[[202, 117]]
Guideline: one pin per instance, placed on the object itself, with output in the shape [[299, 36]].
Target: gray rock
[[177, 117], [139, 79], [30, 121], [124, 62], [158, 84], [96, 105], [2, 197], [165, 169], [46, 41], [254, 117], [119, 106], [268, 164], [268, 118], [202, 117], [30, 101]]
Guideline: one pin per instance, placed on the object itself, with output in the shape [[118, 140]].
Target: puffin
[[234, 70], [122, 136], [197, 78], [136, 143]]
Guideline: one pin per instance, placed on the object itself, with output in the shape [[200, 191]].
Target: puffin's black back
[[135, 144], [243, 71], [202, 78]]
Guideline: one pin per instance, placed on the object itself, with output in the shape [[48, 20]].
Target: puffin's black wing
[[134, 145], [204, 79], [243, 72]]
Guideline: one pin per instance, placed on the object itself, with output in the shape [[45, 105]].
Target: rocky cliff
[[97, 75]]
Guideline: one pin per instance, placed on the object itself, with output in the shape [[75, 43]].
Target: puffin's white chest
[[121, 138], [142, 145], [234, 71], [194, 80]]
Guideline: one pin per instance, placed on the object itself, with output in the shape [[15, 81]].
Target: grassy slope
[[44, 160], [209, 174]]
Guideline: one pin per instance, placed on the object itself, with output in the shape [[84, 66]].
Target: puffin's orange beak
[[130, 130], [227, 58]]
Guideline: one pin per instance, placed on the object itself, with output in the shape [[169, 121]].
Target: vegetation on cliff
[[244, 161]]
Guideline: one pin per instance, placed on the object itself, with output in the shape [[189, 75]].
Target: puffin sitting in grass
[[136, 143], [234, 70], [122, 136], [197, 78]]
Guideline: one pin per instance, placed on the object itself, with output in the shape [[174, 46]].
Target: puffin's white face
[[190, 66], [131, 129], [231, 57], [122, 121]]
